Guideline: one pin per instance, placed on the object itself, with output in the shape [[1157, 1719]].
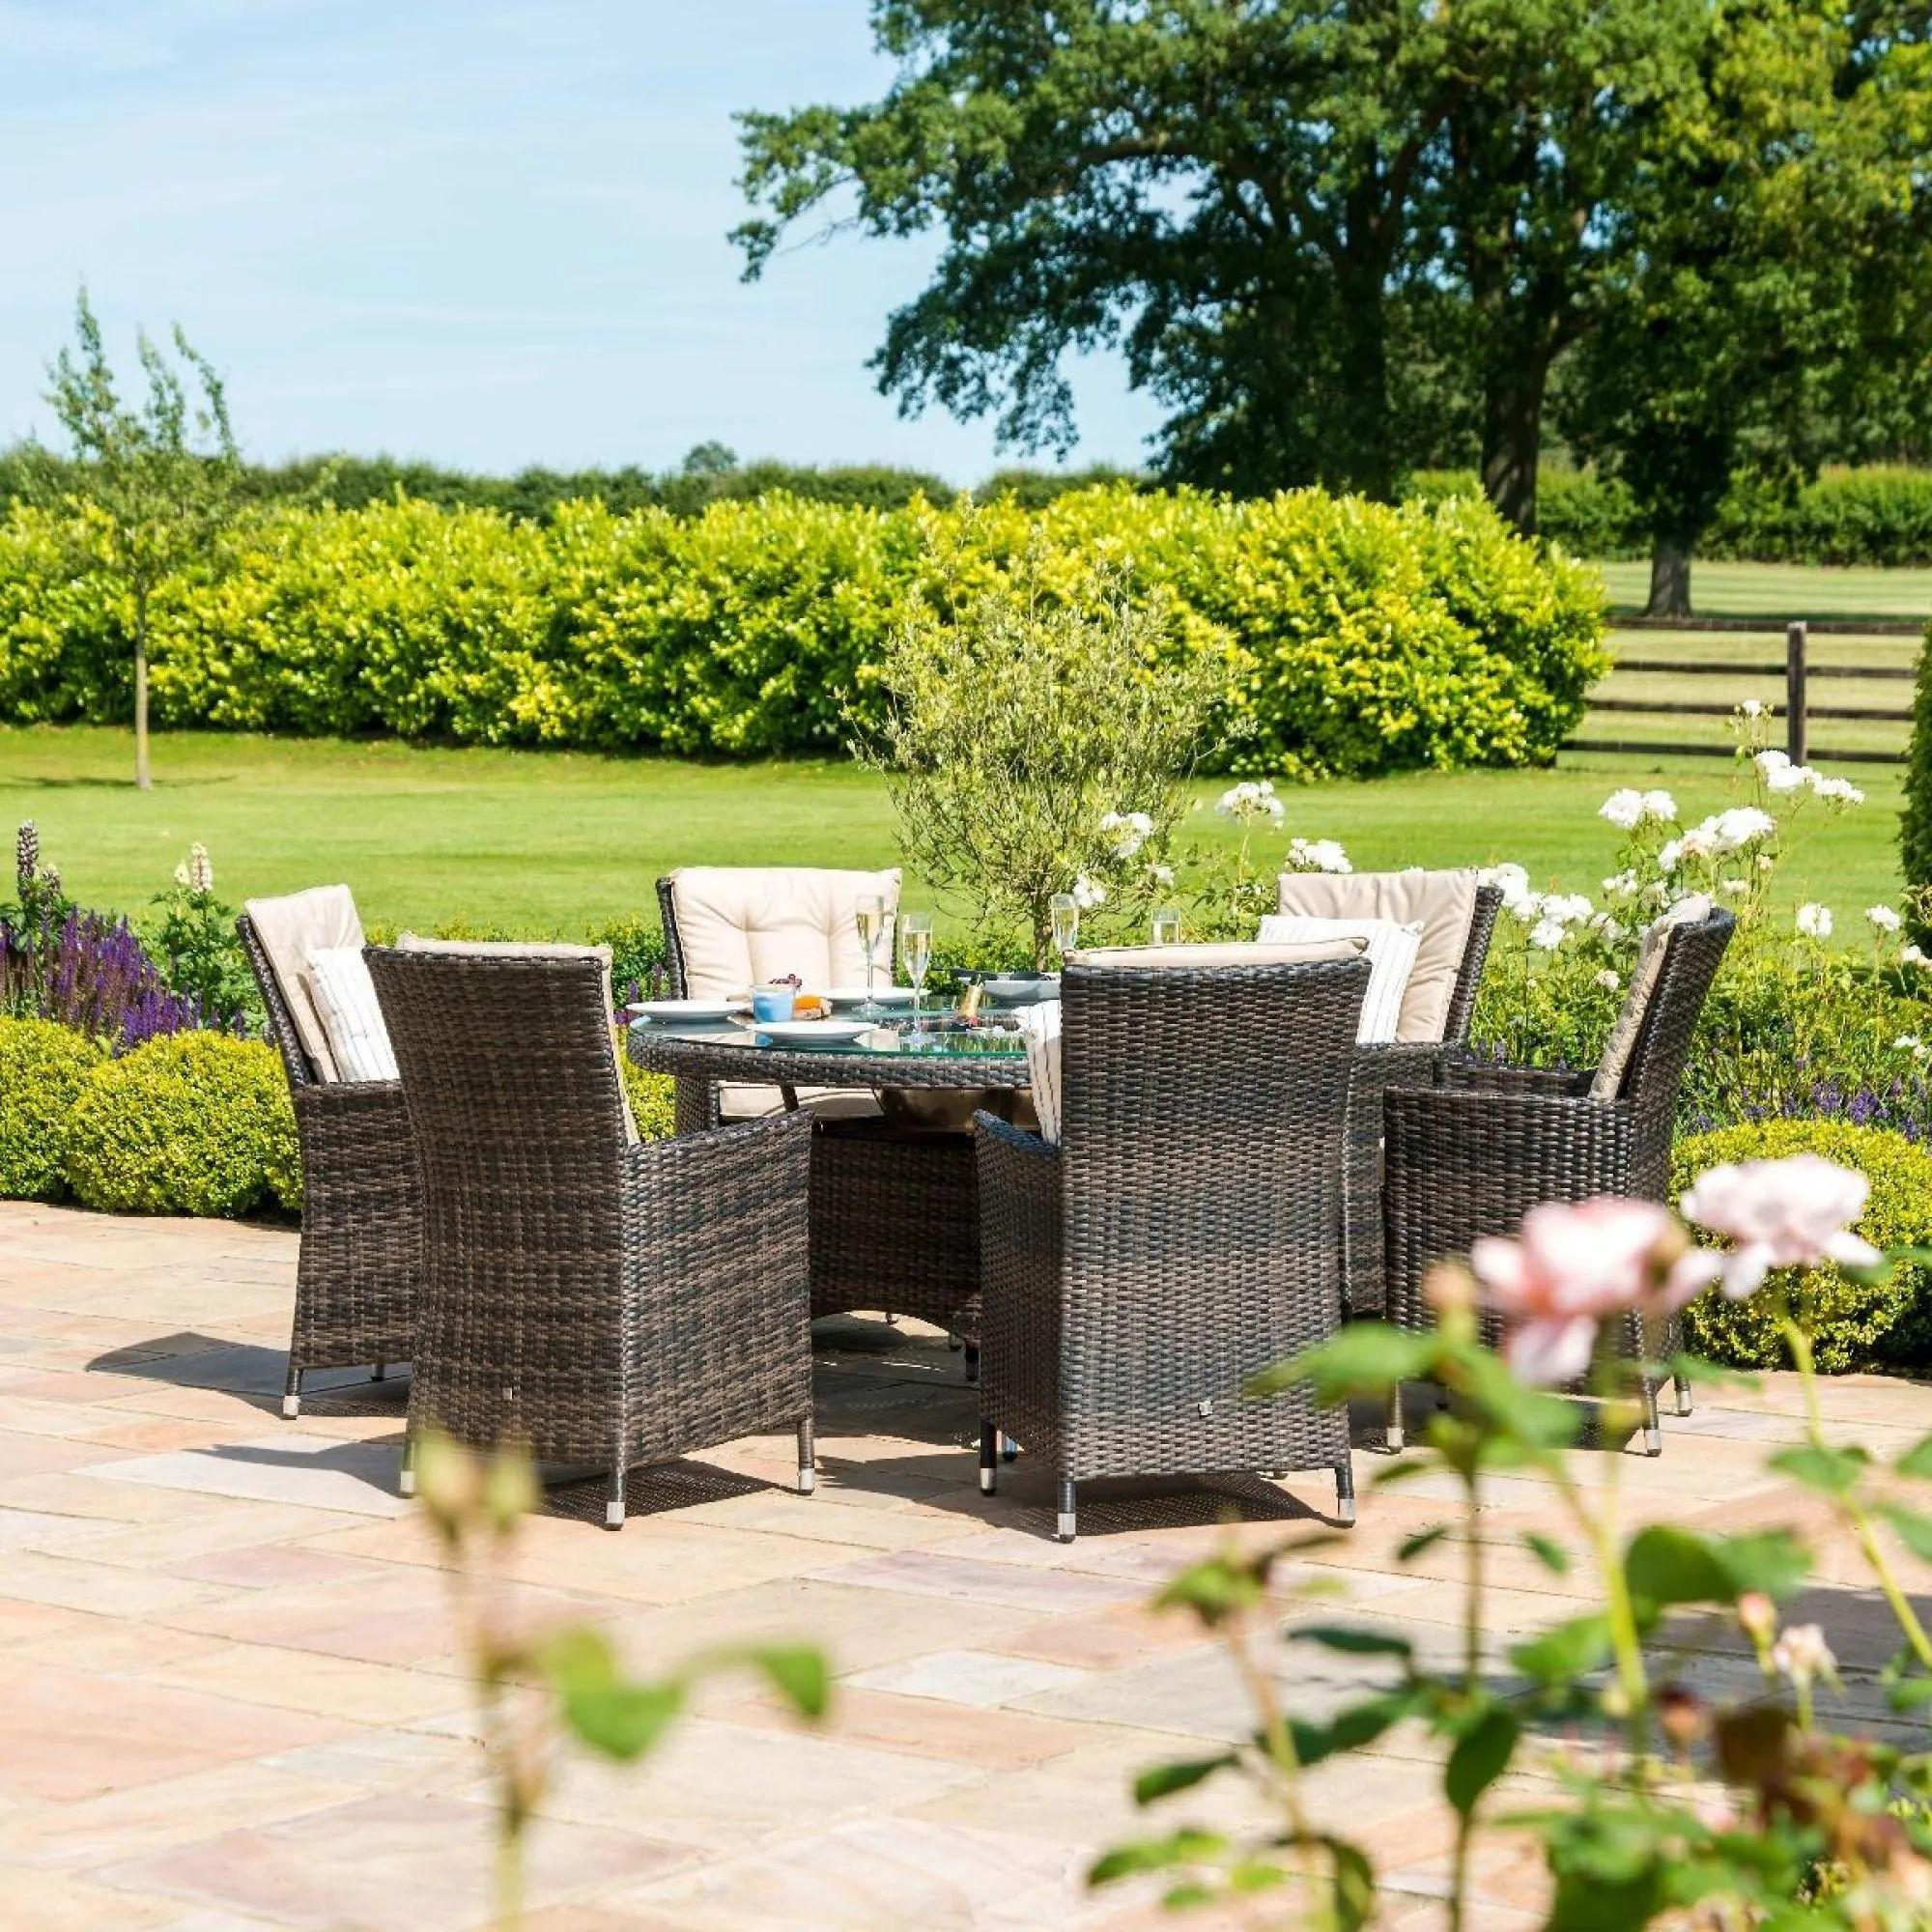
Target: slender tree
[[147, 492]]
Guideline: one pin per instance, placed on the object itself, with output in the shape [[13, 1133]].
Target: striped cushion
[[1392, 949], [345, 996], [1040, 1027]]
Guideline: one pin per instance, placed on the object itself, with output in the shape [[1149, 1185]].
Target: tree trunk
[[1670, 578], [1513, 439], [143, 781]]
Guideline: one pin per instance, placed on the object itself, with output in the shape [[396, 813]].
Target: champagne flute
[[1167, 926], [1066, 910], [870, 916], [916, 948]]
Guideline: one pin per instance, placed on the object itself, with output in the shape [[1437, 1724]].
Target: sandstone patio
[[232, 1700]]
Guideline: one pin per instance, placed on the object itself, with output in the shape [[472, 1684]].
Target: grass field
[[556, 843]]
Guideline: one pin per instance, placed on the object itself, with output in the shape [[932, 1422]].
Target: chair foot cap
[[1064, 1526], [405, 1483], [292, 1406], [1396, 1442], [1008, 1449], [808, 1478], [1345, 1512], [1683, 1402], [613, 1516], [986, 1482], [1653, 1441]]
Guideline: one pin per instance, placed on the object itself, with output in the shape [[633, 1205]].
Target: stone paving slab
[[231, 1698]]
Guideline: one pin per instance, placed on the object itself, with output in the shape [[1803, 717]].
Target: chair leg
[[1344, 1493], [1683, 1388], [613, 1503], [972, 1363], [989, 1459], [1392, 1436], [406, 1477], [807, 1461], [292, 1393], [1653, 1435], [1064, 1527], [381, 1372]]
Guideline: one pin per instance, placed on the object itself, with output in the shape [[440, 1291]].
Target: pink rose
[[1575, 1265], [1794, 1212]]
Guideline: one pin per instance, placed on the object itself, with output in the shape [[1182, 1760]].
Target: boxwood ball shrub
[[1347, 637], [192, 1123], [1852, 1322], [652, 1096], [42, 1068]]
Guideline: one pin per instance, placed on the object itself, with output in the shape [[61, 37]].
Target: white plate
[[826, 1030], [682, 1010], [852, 996]]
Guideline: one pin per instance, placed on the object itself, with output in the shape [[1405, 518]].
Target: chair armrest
[[1485, 1077], [1019, 1212], [741, 1191]]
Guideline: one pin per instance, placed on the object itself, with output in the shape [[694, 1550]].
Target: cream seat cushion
[[1392, 950], [1609, 1080], [518, 949], [1442, 903], [739, 925], [321, 919]]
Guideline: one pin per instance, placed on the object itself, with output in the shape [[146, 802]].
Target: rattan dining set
[[1233, 1175]]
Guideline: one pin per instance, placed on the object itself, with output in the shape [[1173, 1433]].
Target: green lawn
[[1784, 591], [556, 843]]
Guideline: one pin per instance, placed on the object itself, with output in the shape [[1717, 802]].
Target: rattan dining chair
[[598, 1300], [358, 1269], [1473, 1156], [895, 1203], [1181, 1236], [1395, 1067]]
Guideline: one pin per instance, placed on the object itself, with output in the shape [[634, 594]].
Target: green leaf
[[1771, 1561], [1566, 1651], [1253, 1875], [1912, 1695], [1216, 1589], [798, 1673], [621, 1720], [1533, 1416], [1351, 1729], [1912, 1529], [1481, 1757], [1353, 1892], [1831, 1472], [1664, 1564], [1365, 1358], [1352, 1640], [1147, 1854], [1548, 1552], [1413, 1546], [1916, 1461], [1163, 1780]]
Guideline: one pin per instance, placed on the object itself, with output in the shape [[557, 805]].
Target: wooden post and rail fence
[[1797, 710]]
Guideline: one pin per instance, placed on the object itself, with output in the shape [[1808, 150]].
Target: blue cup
[[772, 1003]]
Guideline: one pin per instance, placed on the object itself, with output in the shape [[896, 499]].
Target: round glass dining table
[[893, 1055]]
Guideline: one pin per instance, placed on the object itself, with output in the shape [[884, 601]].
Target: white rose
[[1814, 920], [1884, 918]]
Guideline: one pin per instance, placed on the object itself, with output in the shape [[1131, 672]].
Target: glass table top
[[938, 1037]]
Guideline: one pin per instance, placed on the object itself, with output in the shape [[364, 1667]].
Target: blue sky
[[485, 234]]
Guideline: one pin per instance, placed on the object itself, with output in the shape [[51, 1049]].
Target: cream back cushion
[[1607, 1082], [518, 949], [740, 925], [1443, 904], [345, 996], [1040, 1028], [1391, 951], [1230, 952], [323, 918]]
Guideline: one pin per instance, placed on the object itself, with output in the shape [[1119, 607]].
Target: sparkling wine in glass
[[1066, 910], [870, 916], [1167, 926], [915, 950]]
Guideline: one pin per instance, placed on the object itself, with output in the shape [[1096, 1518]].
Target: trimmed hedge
[[1356, 638], [1879, 515], [190, 1124], [1915, 820], [42, 1068], [1853, 1321]]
